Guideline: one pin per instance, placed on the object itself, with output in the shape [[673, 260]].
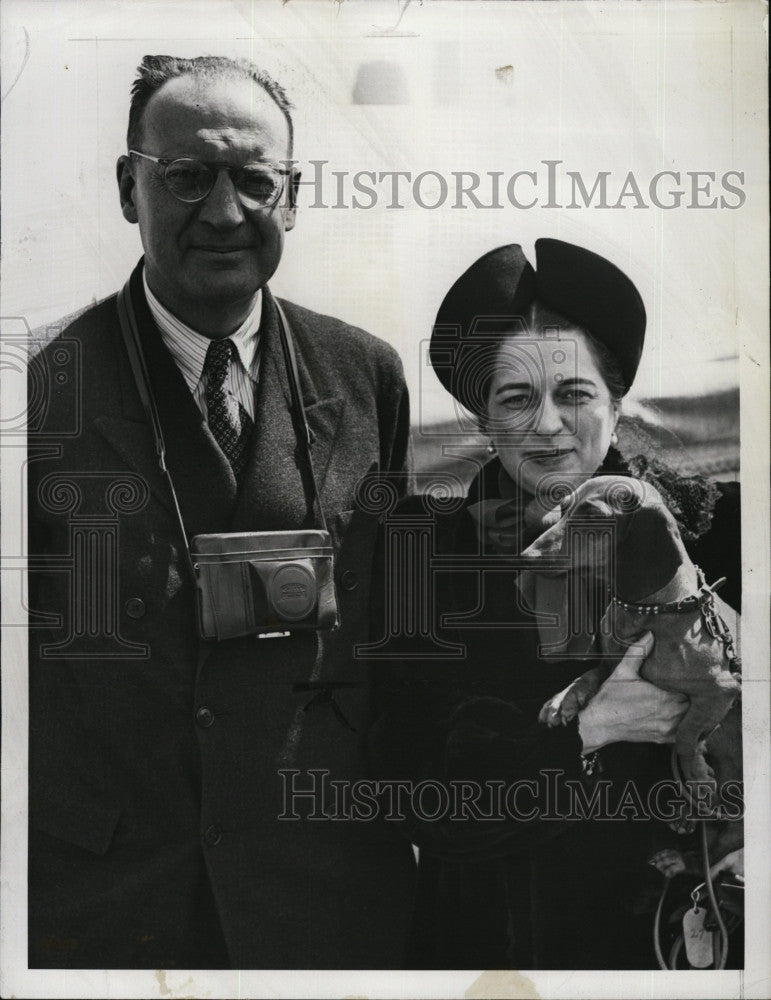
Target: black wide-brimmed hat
[[495, 294]]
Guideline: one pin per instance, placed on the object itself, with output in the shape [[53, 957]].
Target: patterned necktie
[[229, 422]]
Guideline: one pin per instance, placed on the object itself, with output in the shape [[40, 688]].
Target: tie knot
[[218, 362]]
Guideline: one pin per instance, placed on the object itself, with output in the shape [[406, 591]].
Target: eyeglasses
[[259, 184]]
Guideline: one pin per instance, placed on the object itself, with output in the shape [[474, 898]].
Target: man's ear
[[126, 189], [290, 208]]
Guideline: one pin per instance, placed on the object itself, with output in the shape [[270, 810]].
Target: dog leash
[[715, 906], [718, 628], [708, 883]]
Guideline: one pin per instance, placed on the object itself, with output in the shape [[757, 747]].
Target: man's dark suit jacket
[[155, 788]]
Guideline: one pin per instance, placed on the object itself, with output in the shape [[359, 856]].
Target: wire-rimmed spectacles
[[259, 184]]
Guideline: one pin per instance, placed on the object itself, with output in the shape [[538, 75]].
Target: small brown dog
[[652, 586]]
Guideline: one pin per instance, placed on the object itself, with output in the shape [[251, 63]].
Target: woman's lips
[[549, 456]]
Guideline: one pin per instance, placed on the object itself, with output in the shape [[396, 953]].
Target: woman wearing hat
[[542, 357]]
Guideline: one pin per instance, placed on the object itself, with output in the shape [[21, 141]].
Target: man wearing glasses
[[156, 784]]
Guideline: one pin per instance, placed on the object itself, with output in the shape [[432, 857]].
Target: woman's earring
[[614, 438], [491, 449]]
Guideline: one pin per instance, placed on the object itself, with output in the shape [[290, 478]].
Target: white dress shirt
[[188, 348]]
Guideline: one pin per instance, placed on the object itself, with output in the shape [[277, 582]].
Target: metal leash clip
[[716, 624], [591, 764]]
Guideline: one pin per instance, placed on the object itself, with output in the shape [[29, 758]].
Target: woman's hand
[[629, 709], [732, 863]]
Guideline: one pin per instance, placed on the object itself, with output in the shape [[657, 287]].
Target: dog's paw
[[669, 862], [563, 707], [704, 773], [549, 710], [682, 825], [699, 782]]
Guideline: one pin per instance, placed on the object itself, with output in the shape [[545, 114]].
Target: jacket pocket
[[76, 818]]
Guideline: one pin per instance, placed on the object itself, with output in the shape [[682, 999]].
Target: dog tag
[[698, 940]]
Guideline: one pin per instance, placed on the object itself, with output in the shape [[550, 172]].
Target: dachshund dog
[[652, 586]]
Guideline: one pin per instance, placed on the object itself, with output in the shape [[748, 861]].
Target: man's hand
[[629, 709]]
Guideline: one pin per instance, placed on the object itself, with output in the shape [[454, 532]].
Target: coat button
[[135, 607], [204, 717], [212, 836], [349, 580]]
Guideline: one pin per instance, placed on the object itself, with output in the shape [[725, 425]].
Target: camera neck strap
[[302, 430], [130, 331], [131, 337]]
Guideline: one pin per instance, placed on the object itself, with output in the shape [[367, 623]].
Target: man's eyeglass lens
[[192, 180]]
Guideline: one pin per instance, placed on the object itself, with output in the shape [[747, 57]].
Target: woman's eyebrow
[[579, 381], [527, 386]]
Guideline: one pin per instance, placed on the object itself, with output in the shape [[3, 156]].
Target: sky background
[[481, 87]]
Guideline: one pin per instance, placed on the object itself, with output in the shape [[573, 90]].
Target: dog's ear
[[650, 553]]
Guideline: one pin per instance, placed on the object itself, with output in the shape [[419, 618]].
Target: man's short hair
[[154, 71]]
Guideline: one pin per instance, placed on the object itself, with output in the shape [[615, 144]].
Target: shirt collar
[[189, 348]]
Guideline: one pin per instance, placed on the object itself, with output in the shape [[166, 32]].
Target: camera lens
[[292, 592]]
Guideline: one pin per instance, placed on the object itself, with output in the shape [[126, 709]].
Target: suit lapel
[[203, 479], [274, 494]]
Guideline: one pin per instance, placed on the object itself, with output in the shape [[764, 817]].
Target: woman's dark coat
[[527, 893]]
